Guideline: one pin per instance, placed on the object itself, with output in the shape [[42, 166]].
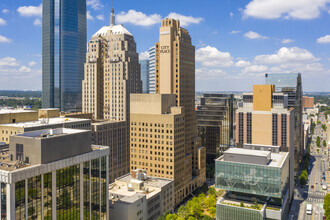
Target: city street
[[312, 192]]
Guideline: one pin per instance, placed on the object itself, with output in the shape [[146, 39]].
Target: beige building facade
[[112, 72], [163, 128], [14, 116]]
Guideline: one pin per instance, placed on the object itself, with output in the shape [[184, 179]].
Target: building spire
[[112, 16]]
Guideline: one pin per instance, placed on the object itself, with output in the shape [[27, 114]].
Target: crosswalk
[[319, 193], [314, 200]]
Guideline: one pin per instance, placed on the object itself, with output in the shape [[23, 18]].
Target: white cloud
[[205, 73], [4, 39], [138, 18], [287, 41], [211, 56], [185, 20], [231, 14], [89, 16], [254, 35], [324, 40], [144, 55], [255, 69], [30, 11], [295, 9], [95, 4], [287, 55], [8, 62], [37, 22], [5, 11], [100, 17], [234, 32], [2, 22], [32, 63], [24, 69], [242, 63]]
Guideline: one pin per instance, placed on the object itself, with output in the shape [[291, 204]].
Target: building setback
[[215, 124], [164, 138], [54, 174], [63, 53]]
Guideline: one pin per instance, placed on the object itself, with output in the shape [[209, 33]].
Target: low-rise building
[[257, 184], [138, 196], [54, 174], [6, 130], [17, 115]]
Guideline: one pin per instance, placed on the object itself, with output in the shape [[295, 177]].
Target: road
[[312, 192]]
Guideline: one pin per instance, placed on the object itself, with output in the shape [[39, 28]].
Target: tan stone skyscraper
[[112, 72], [163, 136]]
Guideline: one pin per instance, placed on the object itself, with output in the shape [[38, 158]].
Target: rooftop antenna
[[112, 16]]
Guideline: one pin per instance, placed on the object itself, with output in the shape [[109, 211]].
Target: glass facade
[[152, 70], [215, 124], [86, 185], [226, 212], [20, 199], [47, 196], [34, 197], [250, 178], [68, 193], [145, 75], [63, 53]]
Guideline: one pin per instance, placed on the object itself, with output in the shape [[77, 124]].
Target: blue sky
[[236, 42]]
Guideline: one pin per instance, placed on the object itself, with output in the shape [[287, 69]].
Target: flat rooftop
[[44, 121], [119, 187], [47, 133], [7, 111], [276, 159], [7, 165]]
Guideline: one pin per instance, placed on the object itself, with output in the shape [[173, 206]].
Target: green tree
[[213, 212], [211, 191], [241, 204], [183, 212], [201, 198], [206, 217], [324, 127], [171, 217], [318, 141], [195, 208], [255, 205], [303, 177], [318, 122], [324, 143], [191, 218], [326, 206], [210, 201]]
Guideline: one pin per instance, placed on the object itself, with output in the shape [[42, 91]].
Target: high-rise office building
[[54, 174], [112, 72], [257, 184], [164, 137], [145, 75], [63, 53], [291, 84], [266, 120], [152, 69], [215, 118]]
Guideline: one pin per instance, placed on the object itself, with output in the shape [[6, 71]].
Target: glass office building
[[257, 184], [152, 70], [215, 119], [63, 53], [145, 75]]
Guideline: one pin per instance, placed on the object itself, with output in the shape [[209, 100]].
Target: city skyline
[[235, 42]]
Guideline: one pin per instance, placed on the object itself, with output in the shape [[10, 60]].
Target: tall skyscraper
[[266, 120], [164, 137], [112, 72], [145, 75], [291, 84], [152, 69], [63, 53], [215, 117]]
